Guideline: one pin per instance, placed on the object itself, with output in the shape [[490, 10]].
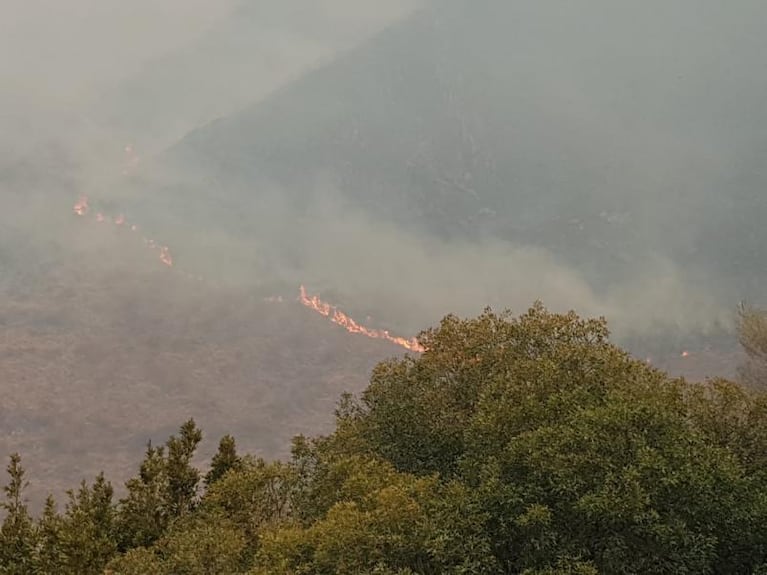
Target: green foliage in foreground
[[752, 334], [526, 445]]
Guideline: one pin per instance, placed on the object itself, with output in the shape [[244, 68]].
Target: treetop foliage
[[752, 334], [514, 445]]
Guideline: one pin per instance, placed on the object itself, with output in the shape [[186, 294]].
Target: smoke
[[57, 57], [99, 75], [410, 280], [403, 159], [403, 279]]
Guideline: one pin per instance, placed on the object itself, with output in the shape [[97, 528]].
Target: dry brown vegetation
[[100, 354], [103, 348]]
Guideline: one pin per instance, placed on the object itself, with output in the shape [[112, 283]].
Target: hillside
[[460, 158], [514, 445], [260, 47], [454, 163], [104, 348], [441, 126]]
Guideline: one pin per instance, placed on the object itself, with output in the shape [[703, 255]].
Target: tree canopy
[[513, 445], [752, 334]]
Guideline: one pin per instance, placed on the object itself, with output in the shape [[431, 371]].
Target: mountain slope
[[503, 128], [240, 60], [103, 348], [507, 117]]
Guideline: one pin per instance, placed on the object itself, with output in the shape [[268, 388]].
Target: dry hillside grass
[[99, 353], [103, 348]]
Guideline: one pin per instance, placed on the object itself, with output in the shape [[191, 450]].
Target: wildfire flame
[[81, 208], [340, 318], [165, 256]]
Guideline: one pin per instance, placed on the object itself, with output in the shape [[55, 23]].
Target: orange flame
[[340, 318], [81, 206], [165, 256]]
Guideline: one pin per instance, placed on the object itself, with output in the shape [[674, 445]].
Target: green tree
[[256, 495], [183, 478], [138, 561], [551, 426], [87, 532], [201, 545], [143, 514], [17, 536], [50, 552], [752, 334], [224, 460], [416, 411], [164, 490], [514, 445], [382, 522], [566, 566], [733, 417], [208, 545]]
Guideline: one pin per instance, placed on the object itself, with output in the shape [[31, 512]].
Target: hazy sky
[[57, 51], [54, 56], [63, 65]]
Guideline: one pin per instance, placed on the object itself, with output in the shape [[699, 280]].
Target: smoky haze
[[433, 156], [602, 157], [406, 159], [596, 156]]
